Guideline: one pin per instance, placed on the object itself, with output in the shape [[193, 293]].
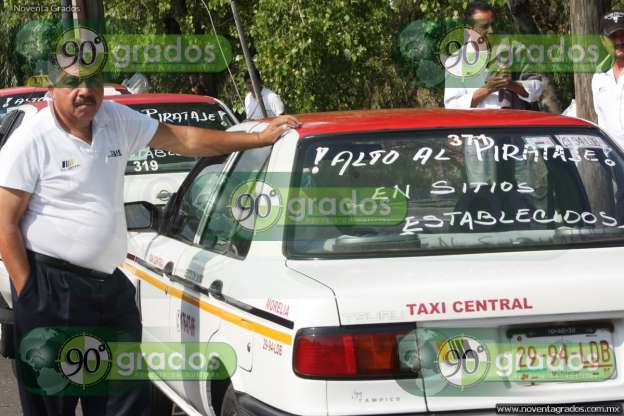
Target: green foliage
[[318, 55], [323, 55], [14, 68]]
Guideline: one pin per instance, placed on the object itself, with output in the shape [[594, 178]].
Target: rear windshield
[[460, 190], [204, 115], [12, 101]]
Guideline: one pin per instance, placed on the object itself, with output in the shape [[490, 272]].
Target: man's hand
[[518, 88], [493, 83], [276, 128], [194, 141], [498, 81], [501, 79]]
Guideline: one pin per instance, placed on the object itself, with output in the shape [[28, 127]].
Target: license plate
[[562, 353]]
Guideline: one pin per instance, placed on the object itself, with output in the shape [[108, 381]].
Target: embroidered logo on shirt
[[114, 153], [69, 164]]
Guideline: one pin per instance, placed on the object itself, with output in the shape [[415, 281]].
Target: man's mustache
[[84, 100]]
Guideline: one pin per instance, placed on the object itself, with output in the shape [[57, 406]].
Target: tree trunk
[[521, 14], [585, 19], [90, 13]]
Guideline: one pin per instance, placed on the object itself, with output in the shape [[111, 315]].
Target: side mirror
[[141, 216]]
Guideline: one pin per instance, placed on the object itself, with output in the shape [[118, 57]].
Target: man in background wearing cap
[[272, 102], [608, 87]]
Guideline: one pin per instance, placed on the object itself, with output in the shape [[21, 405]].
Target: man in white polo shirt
[[608, 87], [62, 222]]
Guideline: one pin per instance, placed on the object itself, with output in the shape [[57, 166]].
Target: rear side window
[[224, 233], [8, 124], [204, 115], [196, 200], [385, 194]]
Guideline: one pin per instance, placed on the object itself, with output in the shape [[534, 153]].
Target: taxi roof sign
[[40, 81]]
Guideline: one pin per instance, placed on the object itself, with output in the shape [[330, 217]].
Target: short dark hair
[[478, 5], [248, 75]]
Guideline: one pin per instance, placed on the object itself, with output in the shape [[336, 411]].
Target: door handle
[[216, 289], [168, 271], [163, 195]]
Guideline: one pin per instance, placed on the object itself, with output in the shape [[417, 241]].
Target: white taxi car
[[394, 262], [151, 175]]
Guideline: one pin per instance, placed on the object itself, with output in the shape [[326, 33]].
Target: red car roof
[[419, 118], [20, 90], [160, 98]]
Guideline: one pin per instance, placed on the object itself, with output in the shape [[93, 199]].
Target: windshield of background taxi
[[194, 114], [456, 190]]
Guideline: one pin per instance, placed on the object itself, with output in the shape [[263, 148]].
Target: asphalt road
[[9, 397]]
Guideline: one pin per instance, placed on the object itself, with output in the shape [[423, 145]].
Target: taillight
[[349, 353]]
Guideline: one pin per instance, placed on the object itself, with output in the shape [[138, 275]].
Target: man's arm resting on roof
[[13, 204], [193, 141]]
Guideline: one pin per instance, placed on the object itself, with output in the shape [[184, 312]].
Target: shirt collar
[[99, 121]]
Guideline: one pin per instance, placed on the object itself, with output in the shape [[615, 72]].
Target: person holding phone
[[608, 87], [492, 87]]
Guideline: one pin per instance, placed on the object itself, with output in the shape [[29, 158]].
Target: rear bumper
[[250, 406]]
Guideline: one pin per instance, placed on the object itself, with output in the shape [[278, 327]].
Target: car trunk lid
[[503, 302]]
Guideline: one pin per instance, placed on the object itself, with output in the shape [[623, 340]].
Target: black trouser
[[59, 295]]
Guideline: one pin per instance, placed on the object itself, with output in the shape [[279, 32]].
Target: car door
[[155, 255], [211, 264]]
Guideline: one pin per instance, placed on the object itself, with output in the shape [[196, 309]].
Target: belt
[[67, 266]]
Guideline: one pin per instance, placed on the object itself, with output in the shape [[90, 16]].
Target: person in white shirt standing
[[63, 228], [485, 89], [272, 102], [608, 87]]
